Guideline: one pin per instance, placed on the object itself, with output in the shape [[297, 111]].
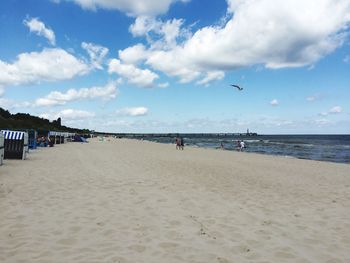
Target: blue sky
[[167, 66]]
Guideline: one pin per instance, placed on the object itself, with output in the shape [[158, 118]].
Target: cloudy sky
[[167, 66]]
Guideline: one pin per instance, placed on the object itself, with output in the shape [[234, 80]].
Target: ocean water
[[331, 148]]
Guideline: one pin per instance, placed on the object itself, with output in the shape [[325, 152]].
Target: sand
[[137, 201]]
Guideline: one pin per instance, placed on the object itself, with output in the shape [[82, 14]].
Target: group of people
[[179, 142], [44, 141]]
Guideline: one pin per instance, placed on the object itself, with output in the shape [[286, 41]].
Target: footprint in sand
[[100, 223], [266, 223]]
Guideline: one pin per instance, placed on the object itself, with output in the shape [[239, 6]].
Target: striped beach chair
[[55, 137], [15, 144]]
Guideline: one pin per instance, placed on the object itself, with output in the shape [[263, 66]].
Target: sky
[[166, 66]]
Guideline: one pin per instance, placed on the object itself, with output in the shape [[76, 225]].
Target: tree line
[[25, 121]]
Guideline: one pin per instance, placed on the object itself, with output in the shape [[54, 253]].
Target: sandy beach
[[137, 201]]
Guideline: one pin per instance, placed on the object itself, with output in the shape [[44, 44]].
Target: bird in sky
[[236, 86]]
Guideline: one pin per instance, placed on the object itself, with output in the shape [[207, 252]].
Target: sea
[[330, 148]]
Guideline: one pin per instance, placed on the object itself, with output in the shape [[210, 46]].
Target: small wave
[[279, 143], [297, 145], [289, 156], [303, 145], [252, 141]]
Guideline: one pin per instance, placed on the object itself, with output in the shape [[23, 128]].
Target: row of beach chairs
[[16, 144]]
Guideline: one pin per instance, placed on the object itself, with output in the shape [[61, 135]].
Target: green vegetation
[[24, 121]]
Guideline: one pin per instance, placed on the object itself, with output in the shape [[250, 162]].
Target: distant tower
[[248, 132]]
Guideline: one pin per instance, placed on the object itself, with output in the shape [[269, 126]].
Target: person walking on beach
[[242, 144], [182, 143], [177, 143], [238, 145]]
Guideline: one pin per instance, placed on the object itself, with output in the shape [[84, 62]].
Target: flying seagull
[[236, 86]]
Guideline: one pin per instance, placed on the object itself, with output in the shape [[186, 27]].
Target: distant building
[[251, 133]]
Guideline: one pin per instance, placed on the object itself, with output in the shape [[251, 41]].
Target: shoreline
[[237, 151], [128, 200]]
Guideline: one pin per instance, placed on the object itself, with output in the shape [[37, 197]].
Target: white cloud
[[131, 7], [6, 103], [143, 25], [105, 93], [175, 64], [38, 27], [274, 102], [335, 110], [45, 116], [210, 76], [137, 111], [133, 55], [75, 114], [11, 104], [49, 65], [303, 37], [97, 54], [276, 34], [171, 31], [159, 34], [48, 102], [68, 114], [134, 75]]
